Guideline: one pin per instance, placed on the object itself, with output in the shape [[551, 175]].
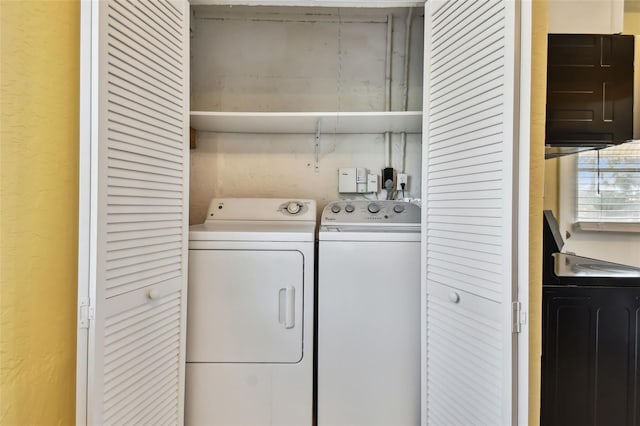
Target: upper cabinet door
[[585, 17], [470, 210], [589, 89], [138, 220]]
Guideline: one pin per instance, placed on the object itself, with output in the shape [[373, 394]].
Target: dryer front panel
[[245, 306]]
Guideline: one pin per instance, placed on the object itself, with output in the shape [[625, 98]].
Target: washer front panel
[[368, 333]]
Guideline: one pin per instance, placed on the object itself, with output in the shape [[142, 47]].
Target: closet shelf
[[316, 3], [307, 122]]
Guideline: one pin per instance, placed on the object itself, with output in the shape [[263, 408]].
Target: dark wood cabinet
[[589, 89], [591, 356]]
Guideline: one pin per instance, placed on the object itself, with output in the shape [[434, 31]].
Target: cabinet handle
[[154, 294], [605, 110], [454, 297]]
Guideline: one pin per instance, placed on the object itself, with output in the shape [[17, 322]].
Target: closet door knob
[[454, 297]]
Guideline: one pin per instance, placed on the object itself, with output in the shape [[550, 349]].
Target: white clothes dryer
[[250, 314], [369, 314]]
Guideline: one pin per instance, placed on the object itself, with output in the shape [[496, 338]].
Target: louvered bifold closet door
[[468, 172], [136, 373]]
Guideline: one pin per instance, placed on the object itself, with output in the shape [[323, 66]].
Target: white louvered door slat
[[140, 197], [469, 212]]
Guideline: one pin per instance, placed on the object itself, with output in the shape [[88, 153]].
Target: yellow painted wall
[[631, 23], [538, 107], [39, 45]]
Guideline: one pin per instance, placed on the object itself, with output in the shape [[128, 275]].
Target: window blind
[[608, 184]]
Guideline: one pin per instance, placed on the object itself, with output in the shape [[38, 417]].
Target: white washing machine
[[250, 314], [369, 314]]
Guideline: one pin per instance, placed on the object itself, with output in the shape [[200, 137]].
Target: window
[[608, 188]]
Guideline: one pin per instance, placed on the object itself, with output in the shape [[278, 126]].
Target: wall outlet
[[402, 178]]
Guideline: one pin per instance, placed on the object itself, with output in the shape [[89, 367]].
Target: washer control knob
[[294, 207], [335, 208], [398, 208], [373, 208], [349, 208]]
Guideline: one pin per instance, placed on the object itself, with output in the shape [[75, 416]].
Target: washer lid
[[243, 230]]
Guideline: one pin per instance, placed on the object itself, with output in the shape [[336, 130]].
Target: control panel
[[363, 211], [261, 209]]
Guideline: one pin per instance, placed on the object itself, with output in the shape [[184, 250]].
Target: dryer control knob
[[398, 208], [335, 208], [349, 208], [293, 207], [373, 208]]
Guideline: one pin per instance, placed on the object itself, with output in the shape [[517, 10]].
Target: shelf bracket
[[317, 145]]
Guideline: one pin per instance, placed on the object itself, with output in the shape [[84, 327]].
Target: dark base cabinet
[[591, 356]]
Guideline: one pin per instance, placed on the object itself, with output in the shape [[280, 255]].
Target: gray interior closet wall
[[301, 60]]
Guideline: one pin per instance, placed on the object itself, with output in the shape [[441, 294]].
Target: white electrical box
[[352, 180]]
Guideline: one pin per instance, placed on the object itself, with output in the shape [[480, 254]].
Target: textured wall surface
[[538, 107], [38, 210], [304, 60]]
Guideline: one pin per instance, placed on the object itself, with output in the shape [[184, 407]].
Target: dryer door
[[245, 306]]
